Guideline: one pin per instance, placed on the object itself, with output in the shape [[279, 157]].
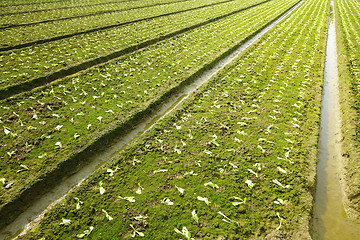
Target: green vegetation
[[45, 127], [236, 161], [348, 23], [24, 34], [36, 61]]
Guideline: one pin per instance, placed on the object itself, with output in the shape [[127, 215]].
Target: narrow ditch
[[330, 219], [12, 90], [85, 15], [34, 213], [41, 41]]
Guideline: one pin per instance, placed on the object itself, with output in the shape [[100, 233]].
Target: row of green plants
[[63, 13], [23, 6], [348, 23], [28, 63], [234, 162], [24, 34], [44, 127]]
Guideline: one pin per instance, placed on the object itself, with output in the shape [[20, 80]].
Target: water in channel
[[330, 221], [34, 213]]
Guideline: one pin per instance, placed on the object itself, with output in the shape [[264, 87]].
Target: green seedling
[[241, 201], [85, 233], [101, 189], [282, 170], [191, 173], [110, 171], [11, 153], [167, 201], [181, 190], [24, 168], [140, 217], [136, 232], [204, 199], [107, 215], [280, 219], [250, 183], [65, 222], [279, 183], [213, 185], [250, 170], [279, 201], [226, 219], [58, 145], [185, 232], [195, 216], [139, 190], [78, 204], [130, 199]]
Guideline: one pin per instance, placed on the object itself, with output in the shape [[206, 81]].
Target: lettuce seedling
[[167, 201], [136, 232], [101, 189], [24, 168], [78, 204], [226, 219], [85, 233], [130, 199], [195, 216], [139, 190], [58, 145], [140, 217], [282, 170], [211, 185], [185, 232], [242, 201], [250, 183], [107, 215], [65, 222], [204, 199], [278, 183], [250, 170], [181, 190]]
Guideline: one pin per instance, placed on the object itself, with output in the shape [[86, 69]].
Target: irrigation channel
[[34, 213], [330, 220]]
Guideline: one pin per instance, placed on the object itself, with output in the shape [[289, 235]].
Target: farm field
[[235, 160], [349, 33], [66, 117]]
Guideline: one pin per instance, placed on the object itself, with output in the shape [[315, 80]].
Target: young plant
[[195, 216], [167, 201], [204, 199], [101, 189], [130, 199], [85, 233], [185, 232], [136, 232], [107, 215]]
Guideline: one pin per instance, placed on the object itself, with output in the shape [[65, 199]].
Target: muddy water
[[330, 221], [33, 214]]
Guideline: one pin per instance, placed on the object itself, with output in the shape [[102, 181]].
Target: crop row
[[31, 18], [45, 127], [18, 6], [348, 20], [233, 163], [33, 62], [25, 34]]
